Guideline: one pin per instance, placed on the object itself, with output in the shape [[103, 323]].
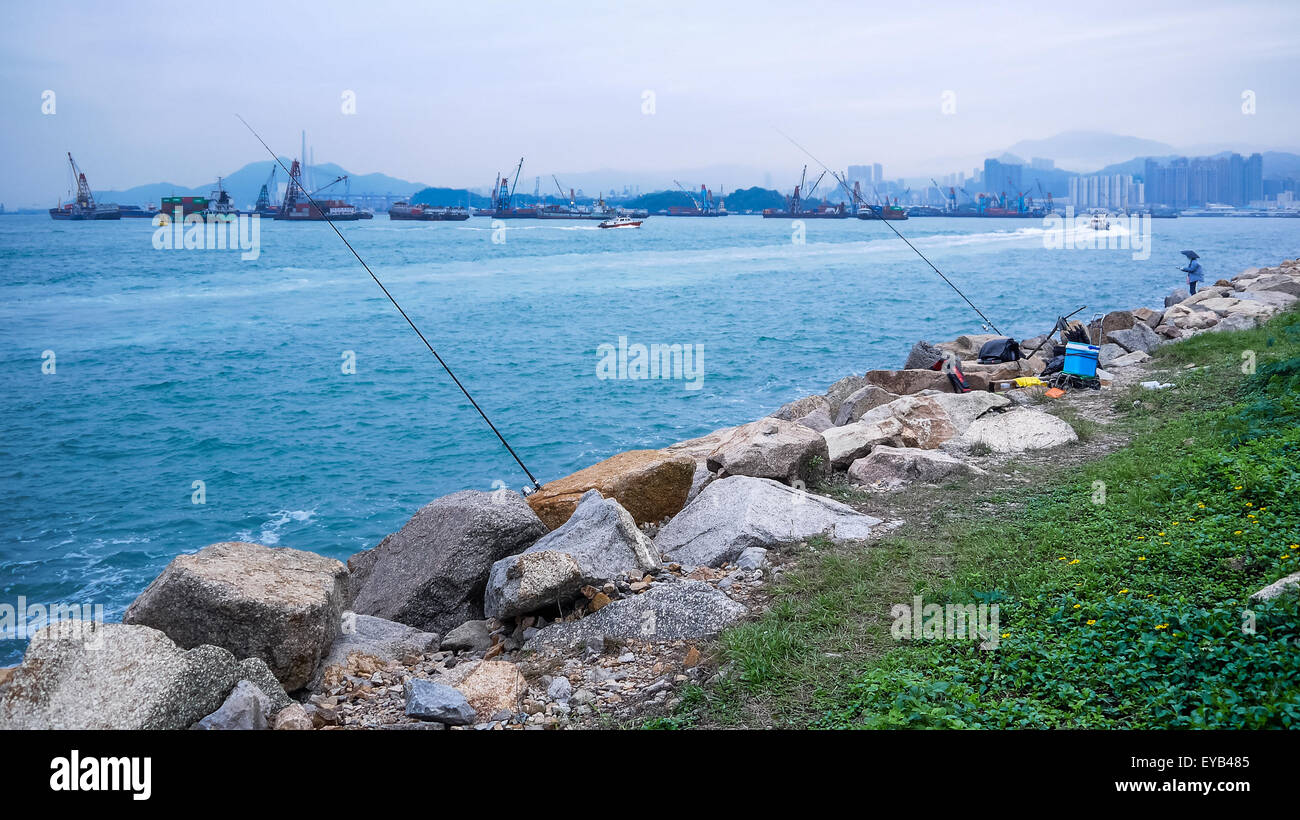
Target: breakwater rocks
[[596, 597]]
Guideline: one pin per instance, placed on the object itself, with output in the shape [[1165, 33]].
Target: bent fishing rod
[[312, 202], [857, 198]]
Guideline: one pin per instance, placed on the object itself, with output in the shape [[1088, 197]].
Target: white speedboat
[[621, 222], [1100, 222]]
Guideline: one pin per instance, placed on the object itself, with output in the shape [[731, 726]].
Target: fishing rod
[[506, 444], [858, 198]]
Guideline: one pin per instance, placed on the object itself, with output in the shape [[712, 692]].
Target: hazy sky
[[450, 93]]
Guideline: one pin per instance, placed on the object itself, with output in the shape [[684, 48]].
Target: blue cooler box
[[1081, 360]]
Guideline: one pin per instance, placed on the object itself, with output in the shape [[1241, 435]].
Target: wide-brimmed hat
[[1191, 255]]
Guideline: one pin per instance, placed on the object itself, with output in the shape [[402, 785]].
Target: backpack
[[997, 351]]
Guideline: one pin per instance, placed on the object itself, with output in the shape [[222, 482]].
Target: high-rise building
[[999, 176], [1042, 164], [877, 174]]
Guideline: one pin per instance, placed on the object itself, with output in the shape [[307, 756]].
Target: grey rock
[[1276, 282], [734, 514], [752, 558], [1128, 359], [699, 480], [432, 573], [923, 355], [379, 638], [430, 700], [684, 610], [245, 709], [1175, 296], [114, 676], [1018, 430], [598, 543], [256, 672], [1139, 337], [473, 636], [1236, 321], [1283, 586], [772, 448], [841, 390], [860, 402], [560, 690], [893, 467], [1108, 353], [280, 605], [810, 411]]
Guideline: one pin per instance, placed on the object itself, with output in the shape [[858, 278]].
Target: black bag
[[996, 351]]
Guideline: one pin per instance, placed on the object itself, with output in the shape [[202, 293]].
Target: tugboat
[[1100, 221], [219, 203], [621, 222], [84, 207]]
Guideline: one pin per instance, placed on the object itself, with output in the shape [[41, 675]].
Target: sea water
[[288, 395]]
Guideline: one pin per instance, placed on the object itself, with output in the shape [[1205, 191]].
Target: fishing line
[[859, 198], [312, 202]]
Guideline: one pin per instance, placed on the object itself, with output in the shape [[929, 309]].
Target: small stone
[[627, 657], [430, 700], [692, 658], [599, 601], [560, 690], [292, 718]]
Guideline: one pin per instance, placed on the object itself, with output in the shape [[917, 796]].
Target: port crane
[[691, 196], [951, 199], [1046, 195], [264, 196], [504, 199], [85, 198]]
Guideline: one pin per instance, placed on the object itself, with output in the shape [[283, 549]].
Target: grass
[[1132, 612]]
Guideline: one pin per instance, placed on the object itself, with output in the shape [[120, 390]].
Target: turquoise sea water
[[181, 366]]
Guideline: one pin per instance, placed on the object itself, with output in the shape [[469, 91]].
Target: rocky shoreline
[[594, 599]]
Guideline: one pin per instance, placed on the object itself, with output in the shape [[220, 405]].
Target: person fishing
[[1193, 270]]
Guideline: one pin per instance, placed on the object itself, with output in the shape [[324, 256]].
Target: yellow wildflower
[[1091, 622]]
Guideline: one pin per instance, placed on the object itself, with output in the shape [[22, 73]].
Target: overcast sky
[[450, 93]]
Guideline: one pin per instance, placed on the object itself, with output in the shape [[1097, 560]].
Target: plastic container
[[1081, 360]]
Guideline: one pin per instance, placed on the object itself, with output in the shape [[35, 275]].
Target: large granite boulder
[[281, 605], [893, 467], [685, 610], [431, 700], [910, 421], [841, 390], [1016, 431], [431, 574], [78, 675], [1137, 337], [857, 403], [908, 382], [734, 514], [1184, 317], [772, 448], [598, 543], [1176, 296], [650, 484], [1276, 282]]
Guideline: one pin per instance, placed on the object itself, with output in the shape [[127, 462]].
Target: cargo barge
[[84, 206]]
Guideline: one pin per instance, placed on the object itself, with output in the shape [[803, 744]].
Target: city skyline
[[451, 95]]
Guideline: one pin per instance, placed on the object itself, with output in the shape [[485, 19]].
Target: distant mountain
[[245, 183], [1085, 150]]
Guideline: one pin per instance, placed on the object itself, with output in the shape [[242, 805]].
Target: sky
[[451, 93]]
